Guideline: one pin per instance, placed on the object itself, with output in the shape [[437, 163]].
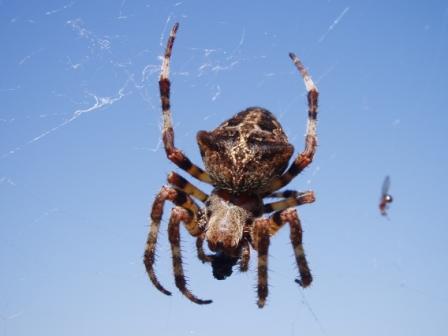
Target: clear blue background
[[81, 161]]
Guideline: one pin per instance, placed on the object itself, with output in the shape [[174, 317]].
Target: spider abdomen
[[245, 152]]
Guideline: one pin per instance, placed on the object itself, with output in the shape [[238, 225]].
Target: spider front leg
[[181, 199], [174, 154], [307, 155]]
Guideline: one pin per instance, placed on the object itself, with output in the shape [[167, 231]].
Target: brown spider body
[[246, 160], [242, 155], [226, 218], [245, 152]]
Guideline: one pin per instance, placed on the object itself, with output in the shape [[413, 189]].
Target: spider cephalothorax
[[246, 160]]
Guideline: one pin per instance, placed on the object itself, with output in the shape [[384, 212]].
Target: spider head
[[222, 265]]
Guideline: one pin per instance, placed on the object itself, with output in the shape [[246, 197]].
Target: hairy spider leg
[[202, 256], [174, 154], [306, 156], [245, 256], [285, 194], [181, 199], [260, 241], [263, 229], [182, 184], [180, 215], [301, 198], [278, 219]]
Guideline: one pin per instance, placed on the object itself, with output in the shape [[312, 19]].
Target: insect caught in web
[[385, 198], [246, 160]]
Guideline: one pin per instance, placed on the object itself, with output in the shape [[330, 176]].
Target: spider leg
[[179, 198], [301, 198], [260, 240], [202, 256], [306, 156], [182, 184], [284, 194], [180, 215], [173, 153], [245, 256], [263, 229], [278, 219]]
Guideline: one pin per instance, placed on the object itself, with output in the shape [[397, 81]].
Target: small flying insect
[[386, 198]]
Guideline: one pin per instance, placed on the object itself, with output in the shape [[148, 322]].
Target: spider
[[246, 160]]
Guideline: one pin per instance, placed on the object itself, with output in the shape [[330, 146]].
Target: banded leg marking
[[278, 219], [180, 215], [179, 198], [261, 239], [302, 198], [173, 153], [307, 155], [182, 184]]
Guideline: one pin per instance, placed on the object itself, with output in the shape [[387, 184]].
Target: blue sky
[[81, 161]]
